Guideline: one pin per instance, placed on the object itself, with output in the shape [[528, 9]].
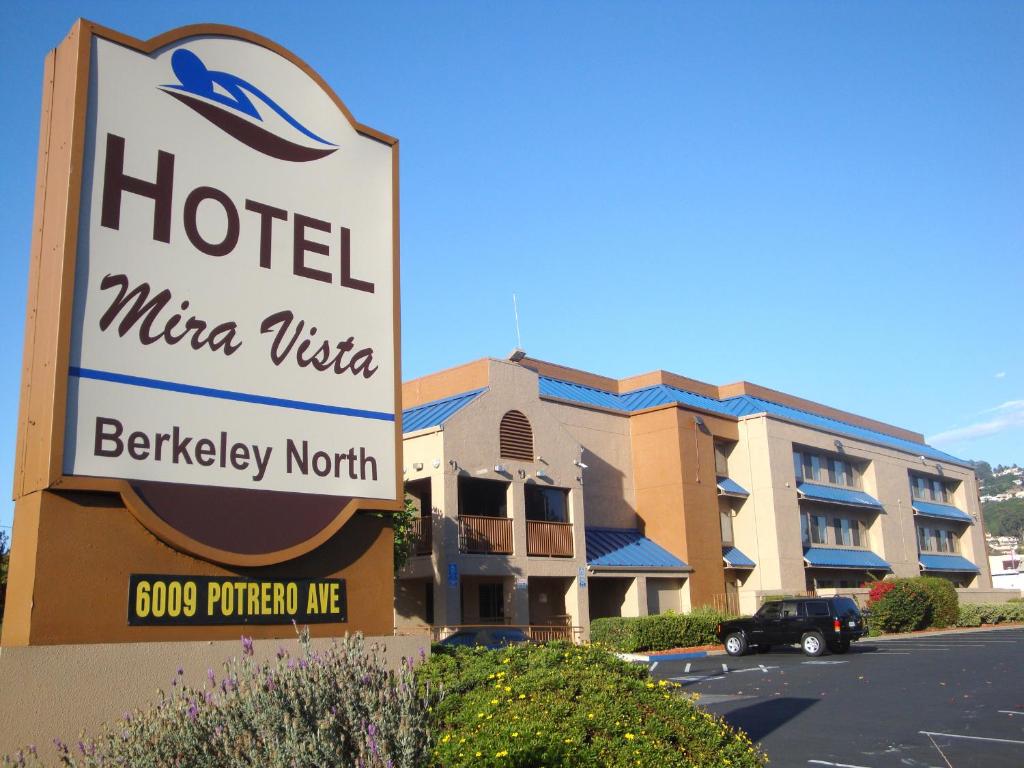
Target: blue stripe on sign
[[223, 394]]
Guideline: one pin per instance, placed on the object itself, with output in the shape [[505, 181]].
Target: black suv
[[816, 623]]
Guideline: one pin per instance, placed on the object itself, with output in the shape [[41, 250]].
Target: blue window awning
[[829, 494], [626, 548], [943, 511], [727, 487], [948, 563], [736, 559], [828, 557]]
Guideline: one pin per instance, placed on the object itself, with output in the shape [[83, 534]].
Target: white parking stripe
[[688, 665], [725, 667], [973, 738], [654, 666], [1010, 712], [834, 765]]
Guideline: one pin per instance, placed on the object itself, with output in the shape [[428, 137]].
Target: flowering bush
[[658, 633], [879, 589], [564, 705], [336, 707], [903, 607]]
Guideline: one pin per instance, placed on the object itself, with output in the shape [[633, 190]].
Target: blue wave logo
[[227, 101]]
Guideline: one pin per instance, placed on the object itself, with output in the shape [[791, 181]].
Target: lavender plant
[[335, 707]]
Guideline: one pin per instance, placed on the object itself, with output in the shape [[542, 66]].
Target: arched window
[[516, 437]]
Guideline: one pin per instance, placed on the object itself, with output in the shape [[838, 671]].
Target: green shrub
[[564, 705], [657, 633], [335, 707], [976, 614], [943, 602], [903, 608], [614, 632], [970, 616]]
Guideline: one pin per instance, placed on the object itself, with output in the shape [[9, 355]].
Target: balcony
[[550, 539], [422, 535], [485, 535]]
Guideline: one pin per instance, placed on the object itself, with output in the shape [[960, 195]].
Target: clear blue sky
[[824, 198]]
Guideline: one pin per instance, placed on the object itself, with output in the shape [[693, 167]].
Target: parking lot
[[942, 701]]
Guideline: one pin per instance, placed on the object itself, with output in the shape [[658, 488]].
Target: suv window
[[791, 608], [769, 610], [817, 608], [847, 608]]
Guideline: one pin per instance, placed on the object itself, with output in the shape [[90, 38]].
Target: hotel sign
[[230, 334]]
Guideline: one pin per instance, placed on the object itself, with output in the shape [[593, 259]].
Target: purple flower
[[209, 697], [211, 677], [181, 671], [193, 710], [303, 664], [218, 730], [247, 645]]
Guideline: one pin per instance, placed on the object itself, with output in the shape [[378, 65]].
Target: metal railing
[[485, 535], [540, 633], [553, 539], [422, 535]]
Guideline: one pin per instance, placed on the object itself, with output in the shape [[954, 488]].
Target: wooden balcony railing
[[548, 538], [422, 535], [485, 535]]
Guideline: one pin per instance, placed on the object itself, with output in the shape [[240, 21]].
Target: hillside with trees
[[1004, 517]]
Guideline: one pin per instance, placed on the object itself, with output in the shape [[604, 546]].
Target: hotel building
[[548, 497]]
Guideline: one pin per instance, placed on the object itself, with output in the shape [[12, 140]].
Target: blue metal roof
[[947, 563], [945, 511], [727, 487], [736, 407], [626, 548], [827, 557], [736, 559], [436, 413], [832, 495]]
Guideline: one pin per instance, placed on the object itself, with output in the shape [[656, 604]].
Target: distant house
[[1007, 570]]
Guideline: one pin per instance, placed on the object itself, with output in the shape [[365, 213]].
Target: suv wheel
[[735, 644], [813, 643]]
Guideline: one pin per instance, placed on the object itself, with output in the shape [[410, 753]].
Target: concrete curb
[[644, 658]]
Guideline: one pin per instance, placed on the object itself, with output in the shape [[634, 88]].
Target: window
[[492, 602], [483, 498], [726, 526], [817, 608], [819, 529], [515, 437], [722, 452], [792, 609], [548, 505], [770, 610], [927, 488], [937, 540], [815, 467], [846, 531]]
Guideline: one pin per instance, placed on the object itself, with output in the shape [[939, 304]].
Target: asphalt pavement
[[935, 701]]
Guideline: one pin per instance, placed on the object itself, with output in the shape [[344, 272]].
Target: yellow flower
[[508, 688], [447, 738], [630, 737], [494, 701], [662, 683], [478, 754], [650, 685], [503, 753], [590, 715], [522, 695], [506, 660], [515, 734], [479, 714]]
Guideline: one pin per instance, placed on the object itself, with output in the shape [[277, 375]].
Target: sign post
[[210, 387]]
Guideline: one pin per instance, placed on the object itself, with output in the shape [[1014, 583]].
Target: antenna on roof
[[518, 353], [515, 310]]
